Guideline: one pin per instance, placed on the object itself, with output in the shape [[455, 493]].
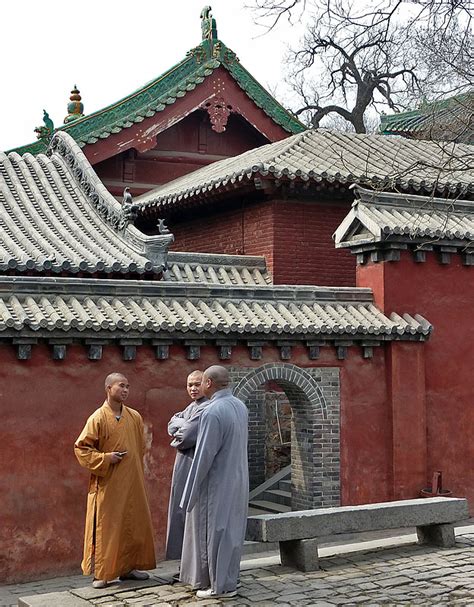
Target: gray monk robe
[[183, 427], [217, 495]]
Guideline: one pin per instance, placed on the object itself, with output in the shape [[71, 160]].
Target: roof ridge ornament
[[75, 107], [44, 133], [129, 211], [208, 25]]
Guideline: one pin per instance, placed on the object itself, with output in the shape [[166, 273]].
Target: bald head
[[215, 378], [116, 389], [195, 375], [113, 378], [194, 385]]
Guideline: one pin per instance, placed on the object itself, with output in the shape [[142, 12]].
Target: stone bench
[[299, 532]]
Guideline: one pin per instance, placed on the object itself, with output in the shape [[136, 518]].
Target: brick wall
[[278, 421], [295, 238], [217, 233], [266, 456], [237, 231], [304, 249]]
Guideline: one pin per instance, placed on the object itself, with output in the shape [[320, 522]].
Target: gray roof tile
[[217, 269], [330, 156], [56, 216], [63, 305], [379, 216]]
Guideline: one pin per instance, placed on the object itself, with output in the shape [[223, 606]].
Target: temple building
[[285, 200], [328, 271], [205, 108], [449, 119], [84, 292]]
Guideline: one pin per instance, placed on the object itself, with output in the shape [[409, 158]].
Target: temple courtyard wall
[[46, 403], [439, 288]]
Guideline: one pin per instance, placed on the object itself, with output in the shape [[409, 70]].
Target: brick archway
[[315, 401]]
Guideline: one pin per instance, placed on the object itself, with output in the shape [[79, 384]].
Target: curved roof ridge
[[59, 217], [74, 160]]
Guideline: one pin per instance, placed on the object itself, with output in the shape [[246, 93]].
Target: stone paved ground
[[403, 575]]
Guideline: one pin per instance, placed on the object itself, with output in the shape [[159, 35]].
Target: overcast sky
[[109, 48]]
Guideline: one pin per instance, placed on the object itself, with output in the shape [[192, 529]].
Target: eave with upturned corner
[[382, 225]]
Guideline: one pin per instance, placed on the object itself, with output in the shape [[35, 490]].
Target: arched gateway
[[314, 397]]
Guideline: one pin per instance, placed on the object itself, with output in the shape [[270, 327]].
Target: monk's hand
[[115, 457]]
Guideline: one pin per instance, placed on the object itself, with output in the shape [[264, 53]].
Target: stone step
[[277, 495], [285, 485], [269, 506], [270, 483], [256, 511]]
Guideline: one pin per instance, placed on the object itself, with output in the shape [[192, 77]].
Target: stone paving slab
[[118, 588], [65, 599], [397, 575]]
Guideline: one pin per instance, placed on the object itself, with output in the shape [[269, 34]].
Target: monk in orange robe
[[118, 536]]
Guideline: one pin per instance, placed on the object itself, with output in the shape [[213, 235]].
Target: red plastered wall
[[45, 404], [444, 295]]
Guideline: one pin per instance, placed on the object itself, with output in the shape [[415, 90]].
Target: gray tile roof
[[330, 157], [217, 269], [56, 216], [380, 216], [63, 306]]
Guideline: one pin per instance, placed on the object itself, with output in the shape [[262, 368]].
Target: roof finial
[[75, 107], [208, 25], [45, 132]]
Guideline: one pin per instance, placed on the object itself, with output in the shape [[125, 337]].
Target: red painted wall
[[444, 295], [295, 237], [45, 404], [366, 434]]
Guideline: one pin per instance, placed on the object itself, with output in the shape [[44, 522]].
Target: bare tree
[[380, 54]]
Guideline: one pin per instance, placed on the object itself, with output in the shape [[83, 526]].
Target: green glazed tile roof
[[199, 63], [452, 117]]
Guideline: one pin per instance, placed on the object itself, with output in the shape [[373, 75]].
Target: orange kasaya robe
[[118, 530]]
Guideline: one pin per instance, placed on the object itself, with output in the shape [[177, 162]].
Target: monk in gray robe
[[183, 427], [216, 492]]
